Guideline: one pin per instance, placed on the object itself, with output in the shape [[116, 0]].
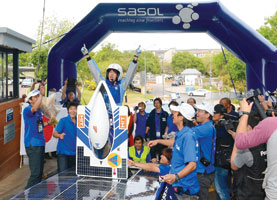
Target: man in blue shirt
[[66, 131], [171, 127], [205, 133], [113, 75], [182, 176], [34, 137], [140, 119]]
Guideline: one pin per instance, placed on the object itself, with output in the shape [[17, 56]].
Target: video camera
[[253, 95], [229, 124]]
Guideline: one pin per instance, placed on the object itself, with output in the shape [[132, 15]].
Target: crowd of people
[[212, 145], [192, 148]]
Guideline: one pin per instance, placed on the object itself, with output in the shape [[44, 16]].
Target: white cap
[[207, 107], [185, 109], [32, 94]]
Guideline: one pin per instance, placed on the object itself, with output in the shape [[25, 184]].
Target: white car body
[[27, 82], [199, 92]]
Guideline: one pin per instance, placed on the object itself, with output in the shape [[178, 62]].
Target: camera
[[137, 108], [229, 124], [269, 112], [205, 162]]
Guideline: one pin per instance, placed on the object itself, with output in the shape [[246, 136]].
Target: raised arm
[[94, 69]]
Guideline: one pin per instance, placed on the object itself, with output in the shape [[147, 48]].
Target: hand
[[244, 106], [152, 143], [65, 82], [232, 133], [261, 98], [42, 89], [138, 51], [169, 178], [84, 50], [61, 136], [131, 163]]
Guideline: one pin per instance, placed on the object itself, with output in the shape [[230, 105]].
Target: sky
[[24, 16]]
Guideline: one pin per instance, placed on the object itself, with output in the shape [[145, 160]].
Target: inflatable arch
[[209, 17]]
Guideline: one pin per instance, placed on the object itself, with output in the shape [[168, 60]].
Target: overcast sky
[[23, 16]]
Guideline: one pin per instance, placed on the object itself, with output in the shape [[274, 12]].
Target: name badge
[[158, 134]]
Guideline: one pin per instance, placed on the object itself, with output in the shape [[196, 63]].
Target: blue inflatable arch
[[209, 17]]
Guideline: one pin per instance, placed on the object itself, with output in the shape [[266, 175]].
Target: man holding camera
[[205, 134], [140, 119], [224, 147], [264, 132], [70, 97]]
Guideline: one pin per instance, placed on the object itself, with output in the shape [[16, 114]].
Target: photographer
[[264, 132], [250, 164], [140, 119], [70, 97], [224, 147]]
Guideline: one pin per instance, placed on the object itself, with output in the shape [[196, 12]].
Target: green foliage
[[92, 85], [234, 66], [152, 63], [184, 60], [268, 30]]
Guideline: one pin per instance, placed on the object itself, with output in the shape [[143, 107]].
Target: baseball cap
[[207, 107], [32, 94], [185, 109], [219, 109]]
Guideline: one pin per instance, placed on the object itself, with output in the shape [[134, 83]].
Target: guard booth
[[11, 45]]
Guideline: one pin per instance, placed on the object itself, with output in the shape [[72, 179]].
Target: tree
[[152, 63], [184, 60], [269, 29]]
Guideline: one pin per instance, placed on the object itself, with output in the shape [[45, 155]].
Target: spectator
[[250, 163], [34, 139], [183, 175], [140, 119], [155, 128], [171, 127], [205, 134], [223, 151], [264, 132], [231, 113], [113, 75], [139, 152], [191, 101], [70, 96], [162, 168], [66, 132]]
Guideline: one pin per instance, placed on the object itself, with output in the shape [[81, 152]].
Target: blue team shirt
[[204, 133], [32, 137], [67, 146], [184, 151], [141, 124], [171, 127], [164, 169]]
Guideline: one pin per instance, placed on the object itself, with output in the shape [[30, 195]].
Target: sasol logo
[[139, 12]]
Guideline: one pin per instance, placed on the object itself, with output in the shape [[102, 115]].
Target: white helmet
[[117, 68]]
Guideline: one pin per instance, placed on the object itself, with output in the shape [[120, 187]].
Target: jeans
[[66, 162], [36, 164], [205, 182], [222, 183]]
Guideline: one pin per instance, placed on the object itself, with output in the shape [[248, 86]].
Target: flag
[[165, 192]]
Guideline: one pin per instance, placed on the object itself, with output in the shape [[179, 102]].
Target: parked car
[[21, 79], [199, 92], [10, 81], [28, 82], [174, 83]]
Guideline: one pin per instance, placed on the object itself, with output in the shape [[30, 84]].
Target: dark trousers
[[205, 182], [36, 164], [65, 162]]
